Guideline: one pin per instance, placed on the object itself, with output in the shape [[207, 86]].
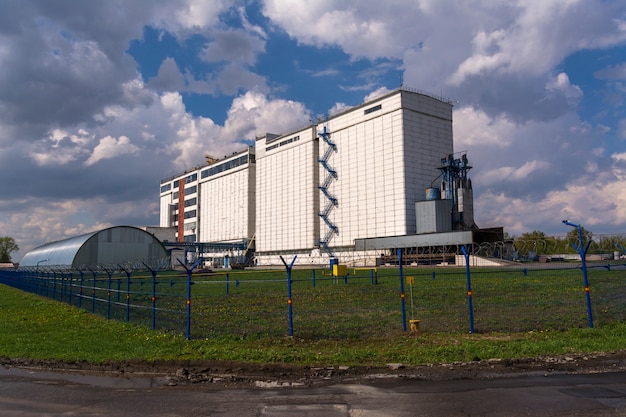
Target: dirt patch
[[221, 374]]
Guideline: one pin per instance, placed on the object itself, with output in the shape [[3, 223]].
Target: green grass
[[503, 301], [39, 328]]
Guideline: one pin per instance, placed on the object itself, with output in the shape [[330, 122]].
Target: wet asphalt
[[25, 393]]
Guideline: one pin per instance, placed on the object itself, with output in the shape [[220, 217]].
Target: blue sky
[[100, 100]]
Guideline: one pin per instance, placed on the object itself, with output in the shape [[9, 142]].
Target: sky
[[100, 100]]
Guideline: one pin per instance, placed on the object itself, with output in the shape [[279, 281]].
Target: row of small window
[[188, 191], [188, 215], [225, 166], [188, 179], [283, 143], [215, 169], [187, 203], [372, 109]]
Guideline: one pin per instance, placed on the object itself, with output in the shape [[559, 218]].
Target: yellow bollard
[[414, 325]]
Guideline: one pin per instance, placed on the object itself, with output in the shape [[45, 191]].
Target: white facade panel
[[227, 199], [286, 182], [164, 213], [428, 138], [387, 152], [433, 216]]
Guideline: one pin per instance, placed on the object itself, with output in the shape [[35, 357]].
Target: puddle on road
[[52, 378]]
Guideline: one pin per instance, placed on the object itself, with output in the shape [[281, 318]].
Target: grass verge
[[37, 328]]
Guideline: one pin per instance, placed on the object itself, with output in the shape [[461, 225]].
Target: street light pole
[[38, 262]]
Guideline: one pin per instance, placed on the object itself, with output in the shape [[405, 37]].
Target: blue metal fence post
[[109, 274], [189, 284], [54, 285], [399, 253], [80, 295], [47, 282], [583, 258], [128, 295], [40, 282], [289, 300], [93, 292], [71, 284], [153, 297], [31, 278], [128, 272], [470, 305], [62, 285], [188, 334]]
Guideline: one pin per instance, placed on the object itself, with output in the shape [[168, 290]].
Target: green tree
[[607, 243], [7, 245], [534, 241], [573, 239], [619, 244]]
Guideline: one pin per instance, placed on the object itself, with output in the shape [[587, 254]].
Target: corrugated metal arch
[[114, 246]]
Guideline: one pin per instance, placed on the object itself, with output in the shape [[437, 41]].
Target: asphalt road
[[26, 394]]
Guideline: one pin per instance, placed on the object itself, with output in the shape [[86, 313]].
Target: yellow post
[[340, 270], [414, 325]]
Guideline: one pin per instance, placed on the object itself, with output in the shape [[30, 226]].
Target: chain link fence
[[368, 303]]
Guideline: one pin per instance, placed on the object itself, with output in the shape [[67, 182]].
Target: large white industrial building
[[324, 191]]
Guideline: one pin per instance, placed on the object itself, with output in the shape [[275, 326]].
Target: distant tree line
[[538, 243], [7, 246]]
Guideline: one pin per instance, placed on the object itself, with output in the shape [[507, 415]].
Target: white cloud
[[474, 127], [539, 36], [46, 221], [583, 203], [194, 14], [562, 84], [193, 136], [338, 108], [509, 173], [526, 174], [109, 148], [365, 29], [252, 114], [60, 147], [249, 27], [376, 93]]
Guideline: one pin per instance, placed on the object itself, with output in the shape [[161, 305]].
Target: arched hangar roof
[[117, 245]]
